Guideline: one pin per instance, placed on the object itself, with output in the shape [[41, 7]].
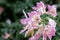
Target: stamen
[[25, 14]]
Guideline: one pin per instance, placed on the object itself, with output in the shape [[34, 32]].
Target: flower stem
[[25, 14]]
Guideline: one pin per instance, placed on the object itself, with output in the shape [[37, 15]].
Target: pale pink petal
[[52, 10], [37, 36], [40, 8], [26, 33], [31, 14], [44, 36], [32, 38], [40, 4], [35, 8], [49, 7], [24, 29], [23, 21], [52, 33], [52, 23]]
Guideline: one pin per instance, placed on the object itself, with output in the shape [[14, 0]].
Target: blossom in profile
[[31, 23], [40, 8], [52, 10], [49, 30]]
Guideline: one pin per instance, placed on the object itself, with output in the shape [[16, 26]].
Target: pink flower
[[49, 30], [31, 23], [40, 8], [34, 22], [33, 18], [52, 10]]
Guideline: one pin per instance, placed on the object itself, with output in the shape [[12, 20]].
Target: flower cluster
[[36, 25]]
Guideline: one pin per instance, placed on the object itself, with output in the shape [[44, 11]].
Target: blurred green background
[[12, 13]]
